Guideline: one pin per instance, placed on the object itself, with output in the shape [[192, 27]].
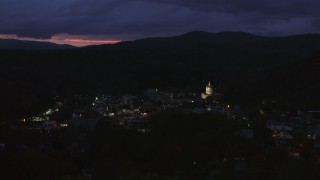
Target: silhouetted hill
[[295, 83], [225, 48], [245, 67], [19, 44]]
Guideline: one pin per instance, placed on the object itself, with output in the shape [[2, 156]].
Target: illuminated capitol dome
[[208, 92]]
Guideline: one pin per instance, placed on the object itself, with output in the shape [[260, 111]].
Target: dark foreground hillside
[[181, 146]]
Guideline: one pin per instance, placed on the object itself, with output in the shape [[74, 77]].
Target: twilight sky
[[84, 22]]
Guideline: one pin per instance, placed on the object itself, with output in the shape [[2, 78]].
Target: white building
[[208, 93]]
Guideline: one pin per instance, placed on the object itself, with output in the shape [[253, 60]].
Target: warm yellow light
[[64, 125]]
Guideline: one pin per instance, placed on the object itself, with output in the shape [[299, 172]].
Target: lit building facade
[[208, 93]]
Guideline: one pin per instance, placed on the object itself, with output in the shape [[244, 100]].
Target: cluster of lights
[[64, 125], [37, 119]]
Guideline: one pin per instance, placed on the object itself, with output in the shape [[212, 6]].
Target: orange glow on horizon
[[85, 42], [78, 41]]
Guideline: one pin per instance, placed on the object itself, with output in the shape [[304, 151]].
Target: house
[[281, 134]]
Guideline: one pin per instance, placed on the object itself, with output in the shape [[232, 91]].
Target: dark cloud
[[131, 19], [274, 7]]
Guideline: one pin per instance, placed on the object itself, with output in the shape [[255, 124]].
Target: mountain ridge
[[31, 45], [234, 37]]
